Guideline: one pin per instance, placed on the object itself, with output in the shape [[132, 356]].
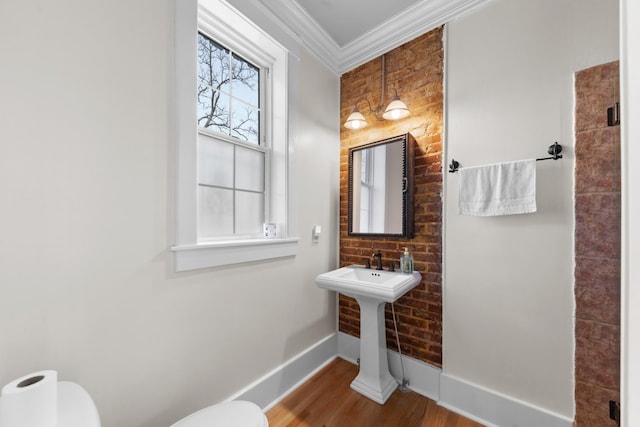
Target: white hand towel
[[499, 189]]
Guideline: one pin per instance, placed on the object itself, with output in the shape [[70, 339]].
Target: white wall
[[86, 167], [508, 285]]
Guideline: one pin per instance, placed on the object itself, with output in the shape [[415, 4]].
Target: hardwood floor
[[326, 400]]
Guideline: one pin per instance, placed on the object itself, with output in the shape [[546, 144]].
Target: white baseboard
[[348, 347], [279, 383], [477, 403], [423, 378], [493, 409]]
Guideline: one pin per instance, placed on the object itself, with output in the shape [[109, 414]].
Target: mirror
[[381, 188]]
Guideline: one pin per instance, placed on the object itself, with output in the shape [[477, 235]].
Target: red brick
[[419, 80]]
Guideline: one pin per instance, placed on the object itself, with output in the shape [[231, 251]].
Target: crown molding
[[302, 27], [407, 25], [418, 19]]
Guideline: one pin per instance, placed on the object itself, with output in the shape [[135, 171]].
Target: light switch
[[315, 233]]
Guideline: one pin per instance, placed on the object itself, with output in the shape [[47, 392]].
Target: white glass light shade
[[355, 120], [396, 109]]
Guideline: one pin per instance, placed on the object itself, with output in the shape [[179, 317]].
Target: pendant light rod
[[395, 110], [383, 69]]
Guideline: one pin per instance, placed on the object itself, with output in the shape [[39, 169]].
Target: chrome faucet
[[378, 255]]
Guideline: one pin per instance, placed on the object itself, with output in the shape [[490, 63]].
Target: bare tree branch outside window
[[228, 92]]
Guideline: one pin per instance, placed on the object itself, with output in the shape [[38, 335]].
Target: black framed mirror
[[381, 188]]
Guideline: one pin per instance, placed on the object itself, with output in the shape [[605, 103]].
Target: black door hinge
[[614, 411], [613, 115]]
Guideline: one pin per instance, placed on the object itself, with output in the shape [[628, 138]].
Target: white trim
[[184, 105], [630, 136], [484, 406], [298, 24], [191, 257], [423, 378], [249, 44], [493, 409], [279, 383], [420, 18], [416, 20], [348, 347], [223, 25], [472, 401]]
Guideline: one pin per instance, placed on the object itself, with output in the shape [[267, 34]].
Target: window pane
[[249, 213], [215, 212], [228, 92], [244, 122], [245, 81], [205, 65], [213, 64], [215, 162], [205, 103], [213, 111], [250, 169]]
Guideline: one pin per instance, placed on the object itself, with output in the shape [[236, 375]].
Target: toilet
[[75, 406], [49, 402], [236, 413], [77, 409]]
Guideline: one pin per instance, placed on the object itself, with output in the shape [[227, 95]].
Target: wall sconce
[[395, 110]]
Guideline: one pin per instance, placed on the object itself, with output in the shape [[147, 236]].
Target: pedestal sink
[[372, 289]]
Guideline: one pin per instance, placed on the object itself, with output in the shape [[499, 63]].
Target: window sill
[[215, 254]]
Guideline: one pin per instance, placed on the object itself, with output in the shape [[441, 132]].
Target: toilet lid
[[229, 414], [75, 406]]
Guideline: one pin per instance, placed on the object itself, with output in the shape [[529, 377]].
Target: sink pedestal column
[[374, 380]]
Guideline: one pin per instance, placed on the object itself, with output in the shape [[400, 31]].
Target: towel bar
[[554, 149]]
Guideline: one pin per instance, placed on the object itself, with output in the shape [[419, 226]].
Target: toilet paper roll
[[30, 401]]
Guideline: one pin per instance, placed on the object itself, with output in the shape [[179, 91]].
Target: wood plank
[[326, 400]]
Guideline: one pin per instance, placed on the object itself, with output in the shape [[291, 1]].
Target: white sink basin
[[372, 289], [357, 281]]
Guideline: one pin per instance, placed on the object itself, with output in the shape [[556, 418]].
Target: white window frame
[[257, 58], [227, 26]]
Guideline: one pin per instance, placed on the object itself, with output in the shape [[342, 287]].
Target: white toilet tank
[[75, 406]]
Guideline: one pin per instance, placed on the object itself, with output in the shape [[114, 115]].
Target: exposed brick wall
[[415, 69], [597, 246]]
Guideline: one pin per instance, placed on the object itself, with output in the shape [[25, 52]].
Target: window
[[232, 132], [231, 163]]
